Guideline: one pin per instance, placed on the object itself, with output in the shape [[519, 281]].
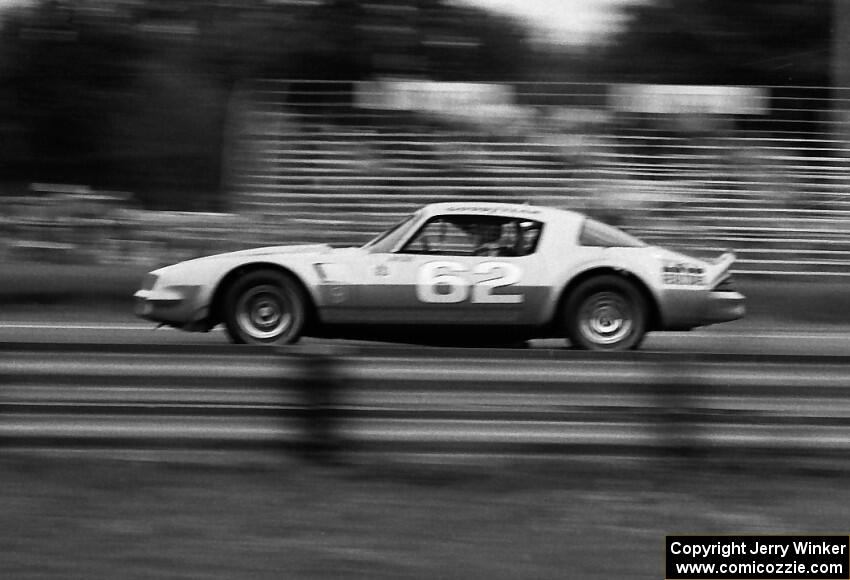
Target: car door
[[458, 270]]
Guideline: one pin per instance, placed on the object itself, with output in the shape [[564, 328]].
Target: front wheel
[[265, 307], [606, 313]]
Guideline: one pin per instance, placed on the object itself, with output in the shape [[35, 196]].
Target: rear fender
[[557, 316]]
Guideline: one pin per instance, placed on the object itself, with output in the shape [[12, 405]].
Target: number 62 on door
[[448, 282]]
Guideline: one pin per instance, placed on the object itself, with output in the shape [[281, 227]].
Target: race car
[[450, 273]]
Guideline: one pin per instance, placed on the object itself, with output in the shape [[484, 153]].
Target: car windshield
[[387, 240], [595, 233]]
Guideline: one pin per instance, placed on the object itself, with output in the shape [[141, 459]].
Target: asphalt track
[[732, 338]]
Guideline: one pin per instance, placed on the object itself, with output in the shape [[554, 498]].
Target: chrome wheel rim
[[263, 313], [606, 318]]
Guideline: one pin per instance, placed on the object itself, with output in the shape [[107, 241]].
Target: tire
[[265, 307], [606, 313]]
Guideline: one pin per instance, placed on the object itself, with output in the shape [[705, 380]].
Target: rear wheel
[[265, 307], [606, 313]]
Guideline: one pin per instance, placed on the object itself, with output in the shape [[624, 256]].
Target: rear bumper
[[684, 309], [724, 307]]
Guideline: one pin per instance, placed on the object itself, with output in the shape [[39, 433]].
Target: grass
[[286, 518]]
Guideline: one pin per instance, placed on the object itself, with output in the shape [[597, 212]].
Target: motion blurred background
[[135, 133], [146, 131]]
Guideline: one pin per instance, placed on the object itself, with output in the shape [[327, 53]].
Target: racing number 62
[[448, 282]]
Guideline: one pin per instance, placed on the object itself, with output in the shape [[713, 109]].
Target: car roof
[[532, 212]]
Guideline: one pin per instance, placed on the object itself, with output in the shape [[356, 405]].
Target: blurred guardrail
[[425, 401], [767, 177]]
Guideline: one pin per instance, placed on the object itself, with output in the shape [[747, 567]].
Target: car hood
[[276, 250], [268, 251]]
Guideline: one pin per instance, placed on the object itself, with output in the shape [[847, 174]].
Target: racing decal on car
[[382, 270], [338, 294], [678, 274], [447, 282], [484, 209]]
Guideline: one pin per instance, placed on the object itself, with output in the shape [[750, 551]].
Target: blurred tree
[[747, 42], [784, 44], [58, 82], [133, 94]]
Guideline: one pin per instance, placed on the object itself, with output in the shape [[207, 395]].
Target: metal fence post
[[317, 389]]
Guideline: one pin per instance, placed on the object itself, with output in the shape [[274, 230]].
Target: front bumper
[[174, 306]]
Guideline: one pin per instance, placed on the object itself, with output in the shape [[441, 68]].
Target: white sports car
[[450, 273]]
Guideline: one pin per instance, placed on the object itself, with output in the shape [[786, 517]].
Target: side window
[[441, 236], [529, 236], [459, 235]]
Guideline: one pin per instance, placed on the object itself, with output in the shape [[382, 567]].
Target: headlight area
[[175, 305]]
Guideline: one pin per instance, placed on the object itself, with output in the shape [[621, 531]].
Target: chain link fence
[[761, 170]]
